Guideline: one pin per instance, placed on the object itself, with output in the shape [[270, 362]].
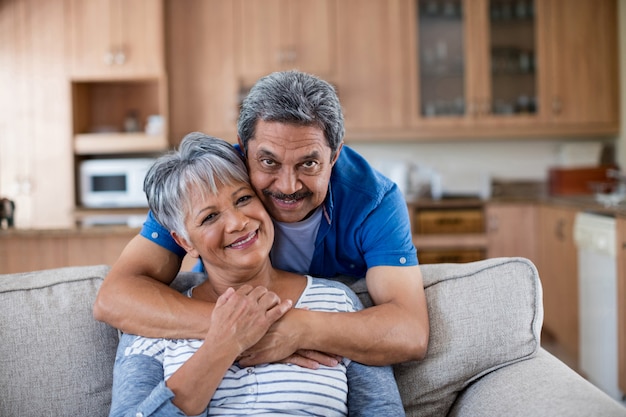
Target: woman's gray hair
[[201, 164], [292, 97]]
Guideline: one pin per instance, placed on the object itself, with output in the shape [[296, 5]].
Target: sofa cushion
[[483, 316], [56, 359]]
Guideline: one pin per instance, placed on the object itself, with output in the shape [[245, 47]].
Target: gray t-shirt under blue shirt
[[294, 243]]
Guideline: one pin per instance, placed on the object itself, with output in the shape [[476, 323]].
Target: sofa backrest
[[55, 359]]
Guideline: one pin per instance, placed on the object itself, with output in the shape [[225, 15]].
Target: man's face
[[290, 168]]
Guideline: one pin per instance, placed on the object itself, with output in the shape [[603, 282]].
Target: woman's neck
[[220, 280]]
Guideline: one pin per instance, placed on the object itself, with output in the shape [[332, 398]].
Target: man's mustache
[[295, 196]]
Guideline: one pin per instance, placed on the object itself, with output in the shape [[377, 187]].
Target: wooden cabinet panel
[[512, 230], [277, 35], [35, 148], [581, 62], [558, 270], [32, 251], [116, 38], [372, 44], [201, 68]]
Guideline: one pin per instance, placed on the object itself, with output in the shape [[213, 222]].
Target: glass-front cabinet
[[476, 61], [495, 68]]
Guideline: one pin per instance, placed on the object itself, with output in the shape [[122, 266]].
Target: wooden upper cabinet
[[201, 68], [371, 65], [580, 84], [277, 35], [473, 70], [116, 38], [482, 68]]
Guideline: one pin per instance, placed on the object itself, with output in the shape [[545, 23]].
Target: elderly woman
[[202, 194]]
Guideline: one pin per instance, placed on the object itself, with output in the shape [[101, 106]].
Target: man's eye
[[310, 164], [268, 162]]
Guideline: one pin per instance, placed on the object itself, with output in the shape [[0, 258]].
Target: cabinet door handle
[[108, 58], [557, 106], [120, 57], [559, 230]]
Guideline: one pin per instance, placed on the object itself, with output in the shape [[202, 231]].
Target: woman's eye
[[209, 218], [244, 199]]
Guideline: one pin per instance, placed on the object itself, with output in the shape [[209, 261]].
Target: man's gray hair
[[292, 97], [201, 164]]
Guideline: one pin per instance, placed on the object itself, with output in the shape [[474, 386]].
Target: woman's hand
[[240, 318], [243, 316]]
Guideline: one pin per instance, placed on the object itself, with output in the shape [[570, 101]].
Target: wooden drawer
[[450, 256], [447, 221]]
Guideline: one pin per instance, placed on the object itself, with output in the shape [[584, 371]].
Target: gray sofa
[[484, 356]]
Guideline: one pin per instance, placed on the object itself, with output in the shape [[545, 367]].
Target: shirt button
[[352, 266], [250, 370], [403, 260], [154, 235], [139, 415]]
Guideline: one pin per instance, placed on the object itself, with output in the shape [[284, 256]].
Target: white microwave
[[113, 182]]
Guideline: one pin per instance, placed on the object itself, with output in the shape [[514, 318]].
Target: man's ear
[[337, 154], [182, 242], [240, 142]]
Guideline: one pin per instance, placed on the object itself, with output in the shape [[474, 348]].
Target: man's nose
[[287, 181]]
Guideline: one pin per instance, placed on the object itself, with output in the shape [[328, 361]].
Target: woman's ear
[[182, 242]]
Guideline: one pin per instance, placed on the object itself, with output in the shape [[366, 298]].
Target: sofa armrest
[[540, 386]]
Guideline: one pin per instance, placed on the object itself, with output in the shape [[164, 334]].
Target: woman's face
[[230, 231]]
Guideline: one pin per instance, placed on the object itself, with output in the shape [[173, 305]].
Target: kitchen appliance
[[595, 237], [113, 182]]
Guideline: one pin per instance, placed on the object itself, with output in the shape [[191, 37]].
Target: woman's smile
[[245, 241]]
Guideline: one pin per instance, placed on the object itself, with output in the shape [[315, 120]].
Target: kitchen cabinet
[[116, 38], [621, 301], [277, 35], [35, 147], [447, 231], [485, 68], [372, 45], [119, 88], [202, 70], [558, 269], [511, 229], [581, 68], [23, 251]]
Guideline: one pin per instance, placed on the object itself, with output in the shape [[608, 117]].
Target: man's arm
[[135, 296], [395, 330]]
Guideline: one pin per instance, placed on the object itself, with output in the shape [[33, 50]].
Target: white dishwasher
[[595, 237]]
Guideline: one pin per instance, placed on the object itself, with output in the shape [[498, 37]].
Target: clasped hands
[[264, 328]]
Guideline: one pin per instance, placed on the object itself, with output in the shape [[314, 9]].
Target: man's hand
[[281, 344], [310, 359]]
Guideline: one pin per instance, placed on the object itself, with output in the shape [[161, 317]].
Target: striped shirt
[[275, 388]]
